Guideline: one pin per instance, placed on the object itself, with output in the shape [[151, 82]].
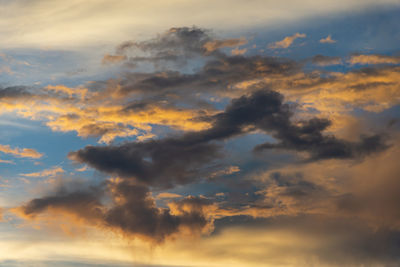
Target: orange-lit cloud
[[217, 44], [20, 152], [373, 59], [238, 52], [45, 173], [7, 161], [287, 41], [226, 171], [90, 118], [314, 163], [113, 59], [327, 40]]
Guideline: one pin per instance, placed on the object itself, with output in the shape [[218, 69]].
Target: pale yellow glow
[[234, 246], [78, 23]]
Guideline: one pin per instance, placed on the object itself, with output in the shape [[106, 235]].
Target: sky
[[199, 133]]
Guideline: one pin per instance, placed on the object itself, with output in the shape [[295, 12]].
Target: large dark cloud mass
[[178, 160], [133, 211], [253, 87]]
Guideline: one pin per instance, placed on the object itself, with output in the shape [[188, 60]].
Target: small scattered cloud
[[82, 169], [227, 171], [373, 59], [45, 173], [20, 152], [327, 40], [113, 59], [168, 195], [238, 52], [213, 45], [321, 60], [287, 41], [7, 161]]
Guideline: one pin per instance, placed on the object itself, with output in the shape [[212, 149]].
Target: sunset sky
[[199, 133]]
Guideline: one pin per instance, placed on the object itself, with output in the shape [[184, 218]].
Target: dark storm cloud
[[133, 211], [162, 162], [86, 204], [179, 160], [309, 137], [138, 214]]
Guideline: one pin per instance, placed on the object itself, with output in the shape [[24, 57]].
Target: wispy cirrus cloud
[[45, 173]]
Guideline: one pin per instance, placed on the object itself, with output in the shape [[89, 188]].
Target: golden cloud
[[20, 152]]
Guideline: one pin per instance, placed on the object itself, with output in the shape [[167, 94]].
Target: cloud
[[133, 211], [172, 45], [175, 45], [326, 60], [168, 195], [179, 160], [20, 152], [337, 189], [7, 161], [111, 59], [287, 41], [82, 169], [372, 89], [229, 98], [45, 173], [300, 241], [373, 59], [155, 162], [95, 117], [327, 40], [227, 171], [14, 92], [238, 52], [308, 137], [211, 46]]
